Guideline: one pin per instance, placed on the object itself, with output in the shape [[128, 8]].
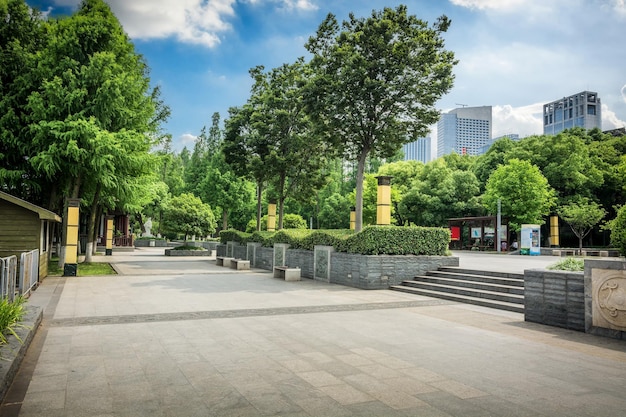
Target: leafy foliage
[[582, 217], [11, 313], [569, 264], [524, 192], [618, 231], [390, 240], [376, 81], [187, 214]]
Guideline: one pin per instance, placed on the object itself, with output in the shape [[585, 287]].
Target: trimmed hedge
[[372, 240], [393, 240]]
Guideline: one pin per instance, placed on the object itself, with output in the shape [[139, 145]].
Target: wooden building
[[25, 227]]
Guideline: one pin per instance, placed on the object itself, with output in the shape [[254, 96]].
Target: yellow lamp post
[[383, 207], [109, 236], [271, 216], [71, 243]]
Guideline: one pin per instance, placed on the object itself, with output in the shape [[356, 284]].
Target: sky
[[514, 55]]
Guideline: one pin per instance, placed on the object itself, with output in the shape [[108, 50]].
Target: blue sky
[[515, 55]]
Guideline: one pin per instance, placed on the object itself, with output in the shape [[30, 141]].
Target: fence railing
[[29, 270], [8, 277]]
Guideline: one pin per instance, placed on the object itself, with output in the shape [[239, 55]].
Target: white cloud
[[624, 93], [190, 21], [305, 5], [506, 5], [187, 139], [525, 120], [610, 120]]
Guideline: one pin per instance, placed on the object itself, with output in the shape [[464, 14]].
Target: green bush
[[373, 240], [335, 238], [232, 235], [618, 231], [11, 313], [393, 240], [568, 264], [150, 238], [290, 221], [188, 247]]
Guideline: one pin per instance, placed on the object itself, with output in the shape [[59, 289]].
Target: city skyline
[[514, 56]]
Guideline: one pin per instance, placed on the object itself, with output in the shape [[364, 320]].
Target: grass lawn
[[84, 269]]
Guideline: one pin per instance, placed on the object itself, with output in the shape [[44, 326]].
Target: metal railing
[[8, 275], [29, 270]]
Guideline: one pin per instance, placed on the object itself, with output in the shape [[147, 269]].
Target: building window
[[591, 110]]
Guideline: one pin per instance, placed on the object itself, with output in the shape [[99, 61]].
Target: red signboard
[[455, 233]]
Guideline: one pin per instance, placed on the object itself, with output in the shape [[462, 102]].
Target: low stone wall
[[145, 243], [353, 270], [605, 298], [174, 252], [555, 298], [592, 302]]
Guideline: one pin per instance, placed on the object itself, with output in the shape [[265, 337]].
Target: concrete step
[[488, 274], [476, 293], [479, 278], [502, 305], [461, 281]]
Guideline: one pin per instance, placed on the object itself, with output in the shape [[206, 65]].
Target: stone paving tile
[[458, 389], [345, 394], [319, 378]]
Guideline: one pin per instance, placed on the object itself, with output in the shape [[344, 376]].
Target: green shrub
[[150, 238], [290, 221], [11, 313], [232, 235], [188, 247], [568, 264], [393, 240], [335, 238], [618, 231], [292, 237]]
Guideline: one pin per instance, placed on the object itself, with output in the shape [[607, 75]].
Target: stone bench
[[223, 260], [239, 264], [563, 252], [602, 253], [286, 273]]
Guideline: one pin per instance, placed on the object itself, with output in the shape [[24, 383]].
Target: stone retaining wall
[[593, 302], [360, 271], [555, 298]]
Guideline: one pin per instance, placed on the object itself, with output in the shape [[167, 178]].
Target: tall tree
[[376, 83], [525, 194], [294, 171], [581, 217]]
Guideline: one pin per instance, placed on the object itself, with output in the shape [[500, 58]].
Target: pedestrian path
[[183, 337]]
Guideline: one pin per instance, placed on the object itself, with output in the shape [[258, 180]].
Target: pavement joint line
[[241, 313]]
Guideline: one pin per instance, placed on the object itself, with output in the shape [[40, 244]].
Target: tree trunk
[[259, 188], [281, 202], [358, 226], [224, 219], [91, 226]]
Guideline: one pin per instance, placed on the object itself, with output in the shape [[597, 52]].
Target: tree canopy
[[375, 83]]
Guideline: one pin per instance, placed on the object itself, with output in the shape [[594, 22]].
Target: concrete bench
[[239, 264], [602, 253], [563, 252], [286, 273], [223, 260]]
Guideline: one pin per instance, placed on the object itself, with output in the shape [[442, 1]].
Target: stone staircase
[[501, 290]]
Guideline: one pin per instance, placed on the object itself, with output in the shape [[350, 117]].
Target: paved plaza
[[184, 337]]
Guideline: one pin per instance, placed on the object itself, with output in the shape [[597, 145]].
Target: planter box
[[353, 270], [173, 252], [145, 243]]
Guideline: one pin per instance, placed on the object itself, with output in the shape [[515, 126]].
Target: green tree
[[485, 164], [618, 230], [440, 192], [581, 217], [278, 115], [525, 194], [375, 85], [187, 214]]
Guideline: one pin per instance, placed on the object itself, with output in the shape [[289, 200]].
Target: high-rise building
[[464, 130], [418, 150], [580, 110]]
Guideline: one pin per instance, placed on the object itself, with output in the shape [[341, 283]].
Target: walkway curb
[[12, 354]]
